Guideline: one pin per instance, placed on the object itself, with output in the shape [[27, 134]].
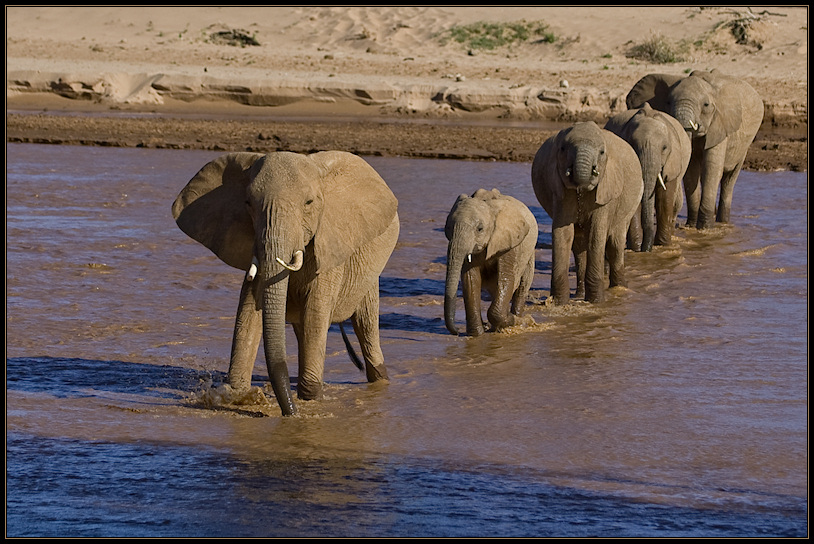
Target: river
[[677, 408]]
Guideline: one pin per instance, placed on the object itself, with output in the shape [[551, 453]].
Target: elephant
[[492, 239], [589, 181], [313, 233], [664, 149], [722, 115]]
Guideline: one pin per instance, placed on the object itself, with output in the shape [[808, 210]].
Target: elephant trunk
[[279, 255], [457, 251], [684, 112], [274, 302], [585, 172]]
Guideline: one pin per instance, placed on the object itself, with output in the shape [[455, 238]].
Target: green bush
[[657, 50], [486, 35]]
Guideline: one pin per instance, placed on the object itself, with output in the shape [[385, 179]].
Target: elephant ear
[[728, 115], [449, 226], [613, 178], [653, 89], [359, 206], [211, 209], [511, 227]]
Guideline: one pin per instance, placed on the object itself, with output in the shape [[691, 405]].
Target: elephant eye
[[309, 202], [480, 228]]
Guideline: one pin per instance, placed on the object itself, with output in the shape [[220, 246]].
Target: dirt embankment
[[379, 80], [770, 151]]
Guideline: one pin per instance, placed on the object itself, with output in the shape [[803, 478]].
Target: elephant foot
[[309, 391], [555, 300], [376, 373], [503, 323], [705, 221]]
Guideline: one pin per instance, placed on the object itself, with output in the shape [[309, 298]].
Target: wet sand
[[230, 129]]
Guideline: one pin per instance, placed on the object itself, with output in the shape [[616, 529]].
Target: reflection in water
[[676, 408], [171, 491]]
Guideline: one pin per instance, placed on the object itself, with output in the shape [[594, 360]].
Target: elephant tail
[[352, 352]]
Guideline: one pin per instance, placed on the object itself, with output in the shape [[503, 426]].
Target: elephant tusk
[[594, 171], [694, 125], [295, 265], [252, 269], [469, 258], [661, 181], [568, 173]]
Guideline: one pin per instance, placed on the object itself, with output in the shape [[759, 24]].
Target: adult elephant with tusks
[[722, 115], [589, 181], [313, 233], [664, 152]]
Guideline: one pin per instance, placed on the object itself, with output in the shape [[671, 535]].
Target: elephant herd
[[314, 232]]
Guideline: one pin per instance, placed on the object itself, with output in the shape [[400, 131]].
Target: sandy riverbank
[[383, 80]]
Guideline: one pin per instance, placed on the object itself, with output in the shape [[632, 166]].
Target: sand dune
[[393, 61]]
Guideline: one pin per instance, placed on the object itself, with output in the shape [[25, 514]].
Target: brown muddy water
[[676, 408]]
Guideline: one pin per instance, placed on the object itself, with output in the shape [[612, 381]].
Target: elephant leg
[[692, 189], [634, 232], [366, 325], [471, 283], [615, 255], [313, 337], [246, 339], [667, 212], [595, 267], [521, 294], [580, 261], [727, 189], [562, 239], [498, 313], [711, 173]]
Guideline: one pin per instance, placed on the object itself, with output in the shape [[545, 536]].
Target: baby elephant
[[491, 246]]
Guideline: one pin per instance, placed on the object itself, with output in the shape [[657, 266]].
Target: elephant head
[[582, 161], [706, 104], [282, 214], [664, 150], [479, 228]]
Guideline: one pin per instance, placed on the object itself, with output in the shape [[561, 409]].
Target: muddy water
[[676, 408]]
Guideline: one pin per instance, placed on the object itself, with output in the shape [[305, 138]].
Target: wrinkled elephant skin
[[589, 181], [312, 233], [492, 238], [664, 149], [722, 115]]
